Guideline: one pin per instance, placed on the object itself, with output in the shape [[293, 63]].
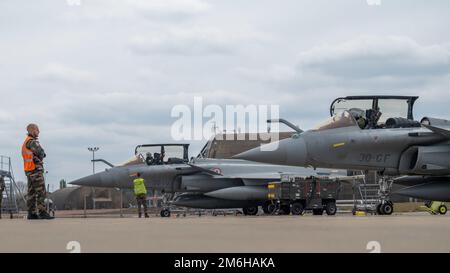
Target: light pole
[[93, 150]]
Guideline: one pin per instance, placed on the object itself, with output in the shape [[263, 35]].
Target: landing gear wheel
[[165, 213], [285, 209], [250, 211], [331, 208], [269, 208], [317, 211], [387, 208], [379, 212], [297, 208], [443, 209]]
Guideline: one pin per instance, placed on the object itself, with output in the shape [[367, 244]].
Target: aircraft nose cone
[[273, 153], [112, 178], [285, 152], [94, 180]]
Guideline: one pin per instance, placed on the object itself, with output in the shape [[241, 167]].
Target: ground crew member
[[33, 156], [2, 188], [141, 194]]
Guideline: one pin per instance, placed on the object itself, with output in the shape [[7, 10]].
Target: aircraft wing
[[251, 176]]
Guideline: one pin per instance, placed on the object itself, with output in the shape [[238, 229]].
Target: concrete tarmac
[[412, 232]]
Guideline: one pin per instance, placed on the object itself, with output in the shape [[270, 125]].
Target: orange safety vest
[[27, 154]]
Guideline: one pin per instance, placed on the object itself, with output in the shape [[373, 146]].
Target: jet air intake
[[426, 160]]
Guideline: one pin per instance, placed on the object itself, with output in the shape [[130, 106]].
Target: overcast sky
[[108, 72]]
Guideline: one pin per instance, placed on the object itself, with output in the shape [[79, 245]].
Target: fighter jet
[[373, 133], [200, 182]]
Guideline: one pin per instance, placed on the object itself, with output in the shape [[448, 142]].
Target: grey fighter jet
[[203, 183], [374, 133]]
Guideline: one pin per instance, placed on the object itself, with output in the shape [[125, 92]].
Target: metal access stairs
[[11, 194], [369, 196], [371, 192]]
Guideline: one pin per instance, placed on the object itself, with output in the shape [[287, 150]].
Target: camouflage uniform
[[2, 188], [141, 201], [36, 183]]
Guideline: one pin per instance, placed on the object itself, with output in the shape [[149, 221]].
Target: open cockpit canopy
[[374, 112], [160, 154], [344, 119]]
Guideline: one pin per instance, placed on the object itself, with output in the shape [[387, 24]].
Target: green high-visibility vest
[[139, 186]]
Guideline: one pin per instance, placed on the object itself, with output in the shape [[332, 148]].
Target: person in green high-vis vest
[[141, 194]]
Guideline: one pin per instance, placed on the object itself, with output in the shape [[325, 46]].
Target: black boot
[[32, 216], [146, 215], [45, 216]]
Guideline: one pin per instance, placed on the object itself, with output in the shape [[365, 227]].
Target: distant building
[[72, 198], [227, 145]]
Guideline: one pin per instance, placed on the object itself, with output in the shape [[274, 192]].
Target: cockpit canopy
[[375, 112], [344, 119], [160, 154]]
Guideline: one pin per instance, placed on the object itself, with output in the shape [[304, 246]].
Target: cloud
[[128, 109], [363, 63], [62, 73], [154, 10], [174, 9], [374, 56], [6, 116], [193, 40], [275, 73]]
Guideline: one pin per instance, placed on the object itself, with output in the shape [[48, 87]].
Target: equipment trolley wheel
[[331, 208], [297, 208], [443, 209]]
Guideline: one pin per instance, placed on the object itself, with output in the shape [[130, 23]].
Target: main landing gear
[[385, 208]]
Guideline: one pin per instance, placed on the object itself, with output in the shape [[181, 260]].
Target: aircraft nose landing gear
[[165, 213]]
